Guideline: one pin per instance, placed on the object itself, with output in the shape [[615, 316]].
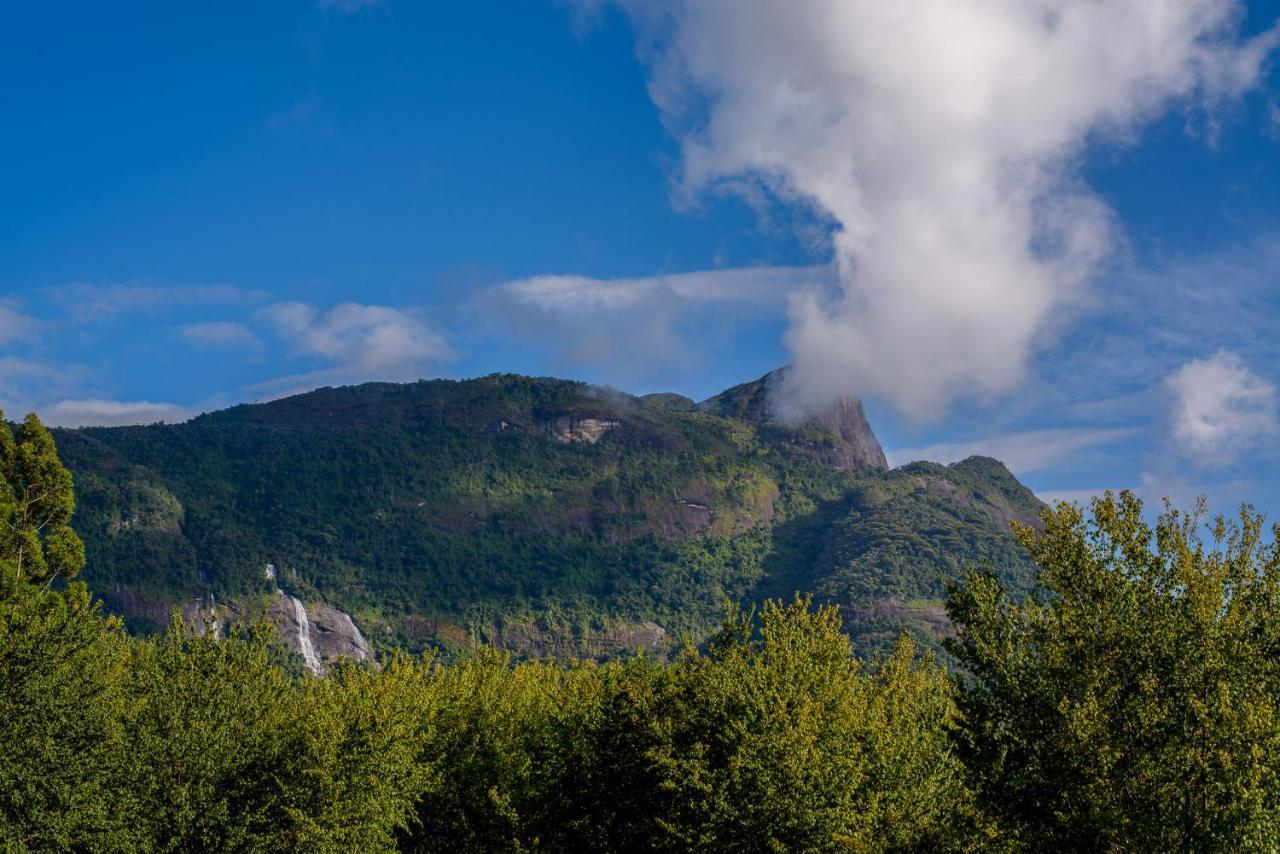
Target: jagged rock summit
[[852, 444]]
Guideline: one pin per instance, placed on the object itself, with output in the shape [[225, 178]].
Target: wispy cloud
[[760, 286], [16, 326], [1151, 318], [90, 302], [642, 327], [96, 412], [295, 114], [1073, 496], [358, 343], [348, 7], [221, 334], [1023, 452], [25, 382]]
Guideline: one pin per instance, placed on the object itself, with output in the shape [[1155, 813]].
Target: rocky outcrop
[[578, 428], [892, 608], [838, 434], [293, 626], [321, 634], [854, 445], [334, 635]]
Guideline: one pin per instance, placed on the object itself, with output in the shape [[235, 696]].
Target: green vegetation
[[1129, 703], [1135, 702], [37, 543], [438, 510]]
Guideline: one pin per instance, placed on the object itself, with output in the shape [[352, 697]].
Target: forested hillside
[[1131, 707], [548, 516]]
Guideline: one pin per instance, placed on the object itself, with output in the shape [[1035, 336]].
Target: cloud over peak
[[646, 327], [940, 138], [358, 342]]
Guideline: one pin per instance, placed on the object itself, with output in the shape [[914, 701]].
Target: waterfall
[[304, 638]]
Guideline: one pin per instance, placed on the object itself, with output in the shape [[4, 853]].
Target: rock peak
[[853, 444]]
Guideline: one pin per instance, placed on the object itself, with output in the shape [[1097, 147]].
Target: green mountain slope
[[549, 516]]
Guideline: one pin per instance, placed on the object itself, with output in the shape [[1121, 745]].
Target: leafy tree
[[37, 543], [63, 669], [63, 665], [1133, 704], [214, 725], [781, 741], [494, 746], [360, 777]]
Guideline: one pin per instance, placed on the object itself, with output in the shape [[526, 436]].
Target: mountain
[[838, 434], [548, 516]]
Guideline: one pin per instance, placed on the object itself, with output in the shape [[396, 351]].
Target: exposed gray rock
[[843, 439], [855, 446], [578, 428], [321, 634], [335, 635]]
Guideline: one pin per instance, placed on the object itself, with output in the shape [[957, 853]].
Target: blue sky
[[207, 204]]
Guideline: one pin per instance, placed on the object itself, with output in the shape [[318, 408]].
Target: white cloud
[[940, 138], [221, 334], [95, 412], [643, 327], [295, 114], [15, 326], [1083, 497], [1023, 452], [14, 369], [1273, 118], [360, 342], [23, 380], [348, 7], [89, 302], [1221, 409], [769, 286]]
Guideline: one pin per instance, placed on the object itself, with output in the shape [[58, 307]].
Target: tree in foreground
[[37, 544], [779, 739], [1133, 703], [62, 665]]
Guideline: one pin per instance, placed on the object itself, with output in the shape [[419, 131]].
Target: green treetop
[[37, 544], [1131, 705]]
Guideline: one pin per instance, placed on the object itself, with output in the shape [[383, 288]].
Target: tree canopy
[[1134, 701], [1129, 703], [37, 543]]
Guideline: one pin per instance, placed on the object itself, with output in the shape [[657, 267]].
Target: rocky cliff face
[[579, 428], [854, 445], [838, 435], [320, 633]]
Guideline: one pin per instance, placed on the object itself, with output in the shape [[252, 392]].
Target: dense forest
[[1129, 703], [546, 516]]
